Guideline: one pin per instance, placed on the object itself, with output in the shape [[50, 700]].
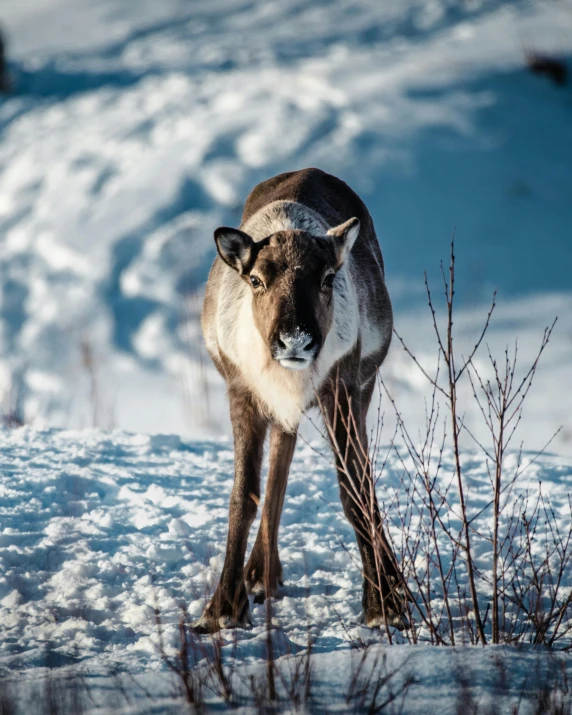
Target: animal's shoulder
[[331, 197], [326, 195]]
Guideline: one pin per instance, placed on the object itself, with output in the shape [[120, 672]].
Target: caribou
[[296, 315]]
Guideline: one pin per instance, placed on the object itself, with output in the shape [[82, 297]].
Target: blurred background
[[130, 129]]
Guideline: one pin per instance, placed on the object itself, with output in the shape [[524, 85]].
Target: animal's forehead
[[293, 251]]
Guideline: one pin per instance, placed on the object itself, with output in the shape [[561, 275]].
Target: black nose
[[295, 342]]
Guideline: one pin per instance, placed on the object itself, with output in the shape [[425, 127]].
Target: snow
[[135, 129], [132, 134], [99, 529]]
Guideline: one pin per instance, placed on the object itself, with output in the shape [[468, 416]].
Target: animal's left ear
[[343, 239]]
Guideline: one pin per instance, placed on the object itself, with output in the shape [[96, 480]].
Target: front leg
[[263, 572], [229, 607], [344, 414]]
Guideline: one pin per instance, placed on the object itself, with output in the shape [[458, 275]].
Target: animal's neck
[[284, 216]]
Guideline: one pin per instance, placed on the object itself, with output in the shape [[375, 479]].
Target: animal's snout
[[295, 342], [295, 350]]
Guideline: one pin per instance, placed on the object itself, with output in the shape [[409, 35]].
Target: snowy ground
[[99, 528], [135, 128]]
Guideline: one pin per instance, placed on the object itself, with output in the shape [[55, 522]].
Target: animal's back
[[325, 194]]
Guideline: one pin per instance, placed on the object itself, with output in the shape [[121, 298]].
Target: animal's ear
[[343, 238], [235, 247]]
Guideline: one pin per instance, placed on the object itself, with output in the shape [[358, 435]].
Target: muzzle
[[295, 350]]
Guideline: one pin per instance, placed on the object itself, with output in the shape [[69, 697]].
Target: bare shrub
[[447, 596], [11, 409], [544, 690], [296, 675], [56, 693], [526, 594], [201, 668], [102, 414], [191, 679], [372, 688]]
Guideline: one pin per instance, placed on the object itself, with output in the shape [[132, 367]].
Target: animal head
[[292, 276]]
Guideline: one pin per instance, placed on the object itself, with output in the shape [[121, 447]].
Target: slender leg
[[229, 605], [345, 415], [264, 571]]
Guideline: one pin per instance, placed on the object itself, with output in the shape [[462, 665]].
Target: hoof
[[258, 590], [395, 620], [212, 624], [259, 596]]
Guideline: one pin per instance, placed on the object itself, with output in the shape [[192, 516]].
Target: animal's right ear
[[235, 247]]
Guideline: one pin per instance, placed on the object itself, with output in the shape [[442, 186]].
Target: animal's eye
[[255, 282], [328, 281]]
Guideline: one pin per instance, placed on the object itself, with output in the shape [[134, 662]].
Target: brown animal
[[297, 315]]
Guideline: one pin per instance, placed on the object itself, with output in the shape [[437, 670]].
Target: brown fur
[[292, 296]]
